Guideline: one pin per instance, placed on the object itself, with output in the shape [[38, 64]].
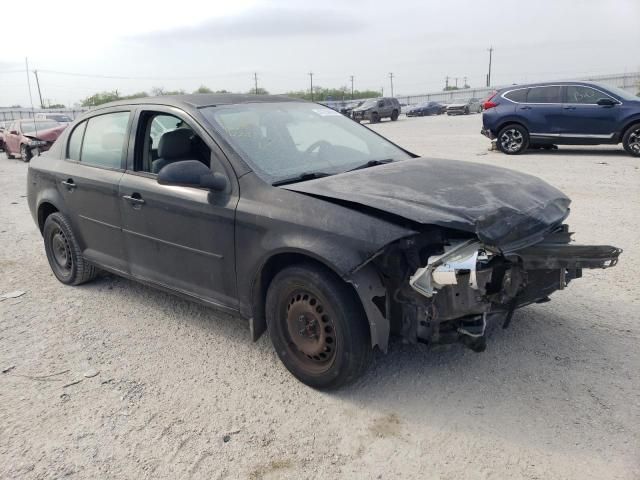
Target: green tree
[[321, 94], [203, 89], [106, 97], [160, 91], [261, 91]]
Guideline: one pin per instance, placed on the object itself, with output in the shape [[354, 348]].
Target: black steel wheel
[[25, 153], [63, 252], [513, 139], [631, 140], [317, 327]]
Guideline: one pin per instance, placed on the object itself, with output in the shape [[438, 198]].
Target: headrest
[[175, 144]]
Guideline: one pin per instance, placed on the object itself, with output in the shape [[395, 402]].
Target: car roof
[[546, 84], [200, 100]]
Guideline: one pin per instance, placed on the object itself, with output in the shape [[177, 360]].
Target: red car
[[27, 137]]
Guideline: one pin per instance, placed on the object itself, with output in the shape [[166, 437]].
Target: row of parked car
[[29, 136]]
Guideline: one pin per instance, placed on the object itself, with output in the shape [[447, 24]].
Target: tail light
[[489, 103]]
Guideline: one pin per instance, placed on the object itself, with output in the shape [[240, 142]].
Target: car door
[[88, 181], [179, 237], [583, 118], [12, 136], [542, 111]]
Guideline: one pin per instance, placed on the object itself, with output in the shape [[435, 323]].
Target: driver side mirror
[[606, 102], [192, 173]]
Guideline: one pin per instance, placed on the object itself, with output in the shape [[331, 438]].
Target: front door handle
[[135, 199], [569, 108], [69, 183], [525, 108]]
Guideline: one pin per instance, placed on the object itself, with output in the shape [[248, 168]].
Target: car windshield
[[285, 139], [369, 103], [619, 92], [59, 118], [31, 127]]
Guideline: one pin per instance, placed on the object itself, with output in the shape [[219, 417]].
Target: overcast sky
[[187, 43]]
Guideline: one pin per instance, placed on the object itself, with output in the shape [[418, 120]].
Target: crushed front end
[[456, 284]]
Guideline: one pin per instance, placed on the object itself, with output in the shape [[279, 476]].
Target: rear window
[[519, 96], [549, 94]]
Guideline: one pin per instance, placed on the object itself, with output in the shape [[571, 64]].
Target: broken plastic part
[[442, 270]]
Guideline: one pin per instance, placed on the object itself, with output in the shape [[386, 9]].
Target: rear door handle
[[134, 199], [569, 108], [525, 108], [69, 183]]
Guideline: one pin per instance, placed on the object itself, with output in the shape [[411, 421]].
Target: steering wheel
[[316, 145]]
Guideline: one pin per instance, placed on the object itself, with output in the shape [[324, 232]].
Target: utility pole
[[391, 80], [35, 72], [255, 80], [465, 83], [382, 91], [446, 83], [311, 79], [489, 74], [456, 82], [351, 87]]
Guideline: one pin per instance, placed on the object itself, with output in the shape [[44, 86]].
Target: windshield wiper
[[301, 177], [372, 163]]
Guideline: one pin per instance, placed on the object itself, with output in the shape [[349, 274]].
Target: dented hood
[[507, 210]]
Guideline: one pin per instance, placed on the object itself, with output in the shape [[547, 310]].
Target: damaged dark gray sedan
[[304, 223]]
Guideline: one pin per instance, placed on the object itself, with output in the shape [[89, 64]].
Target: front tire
[[513, 139], [317, 327], [374, 118], [25, 153], [63, 252], [631, 140]]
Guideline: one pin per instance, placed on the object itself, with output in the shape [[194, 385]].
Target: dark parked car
[[56, 117], [464, 107], [375, 109], [427, 108], [29, 137], [299, 220], [566, 113]]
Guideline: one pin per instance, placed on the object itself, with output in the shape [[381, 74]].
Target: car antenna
[[33, 110]]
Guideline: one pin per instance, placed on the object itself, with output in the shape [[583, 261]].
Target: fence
[[8, 114], [626, 81]]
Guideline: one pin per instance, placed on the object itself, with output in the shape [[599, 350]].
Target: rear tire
[[63, 252], [513, 139], [317, 327], [394, 115], [631, 140]]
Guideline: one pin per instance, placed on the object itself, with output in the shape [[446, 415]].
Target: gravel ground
[[116, 380]]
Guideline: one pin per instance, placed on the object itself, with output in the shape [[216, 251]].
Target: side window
[[104, 140], [75, 142], [519, 96], [581, 94], [163, 139], [549, 94]]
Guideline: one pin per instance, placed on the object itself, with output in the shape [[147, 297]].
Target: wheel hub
[[634, 141], [60, 250], [511, 140], [310, 328]]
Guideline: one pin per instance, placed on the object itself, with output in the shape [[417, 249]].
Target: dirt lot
[[181, 392]]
